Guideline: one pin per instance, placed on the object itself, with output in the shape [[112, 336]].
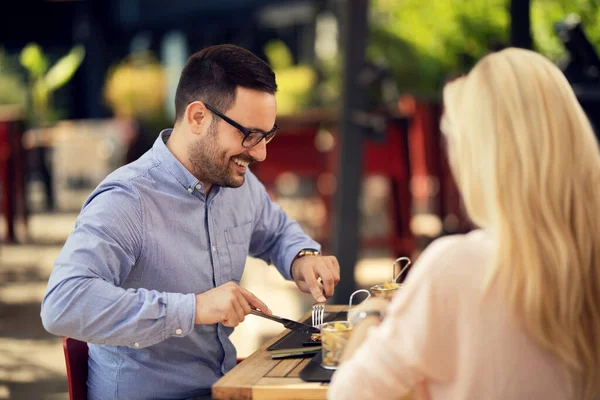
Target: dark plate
[[294, 339], [313, 372]]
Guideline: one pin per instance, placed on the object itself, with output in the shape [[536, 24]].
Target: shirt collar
[[172, 164]]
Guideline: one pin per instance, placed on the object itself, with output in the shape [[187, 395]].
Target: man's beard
[[211, 164]]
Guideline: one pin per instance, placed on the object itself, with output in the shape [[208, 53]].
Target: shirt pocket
[[238, 245]]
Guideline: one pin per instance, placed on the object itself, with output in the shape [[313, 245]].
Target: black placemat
[[295, 339], [313, 372]]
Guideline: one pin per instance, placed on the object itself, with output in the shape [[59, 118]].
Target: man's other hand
[[227, 304]]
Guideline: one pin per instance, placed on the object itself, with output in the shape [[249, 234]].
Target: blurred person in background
[[150, 275], [510, 311]]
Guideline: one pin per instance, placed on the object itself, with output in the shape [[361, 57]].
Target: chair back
[[76, 359]]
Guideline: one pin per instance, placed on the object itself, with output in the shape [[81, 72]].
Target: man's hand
[[228, 304], [308, 269]]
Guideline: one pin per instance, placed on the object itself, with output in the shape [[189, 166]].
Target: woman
[[511, 311]]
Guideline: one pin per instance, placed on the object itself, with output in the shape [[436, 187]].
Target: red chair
[[76, 358], [12, 171]]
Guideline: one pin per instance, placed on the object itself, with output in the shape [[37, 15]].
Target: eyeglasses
[[252, 137]]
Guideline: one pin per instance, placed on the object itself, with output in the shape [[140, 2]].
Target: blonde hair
[[528, 167]]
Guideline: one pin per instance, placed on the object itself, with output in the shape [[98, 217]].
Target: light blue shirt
[[147, 239]]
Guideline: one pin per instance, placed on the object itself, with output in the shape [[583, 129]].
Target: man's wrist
[[303, 253], [197, 319], [306, 252]]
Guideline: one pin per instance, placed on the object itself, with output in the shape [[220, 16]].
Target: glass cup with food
[[334, 338], [387, 290]]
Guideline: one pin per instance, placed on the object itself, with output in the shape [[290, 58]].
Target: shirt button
[[214, 249], [190, 190], [178, 332], [136, 344], [198, 186]]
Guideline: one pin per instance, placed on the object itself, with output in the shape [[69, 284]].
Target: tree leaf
[[64, 69], [33, 59]]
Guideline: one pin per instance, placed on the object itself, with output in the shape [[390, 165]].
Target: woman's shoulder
[[460, 245], [456, 258]]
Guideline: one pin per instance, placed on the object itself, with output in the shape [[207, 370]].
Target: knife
[[288, 323]]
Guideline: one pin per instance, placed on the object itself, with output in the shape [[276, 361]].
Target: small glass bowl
[[334, 338], [385, 291]]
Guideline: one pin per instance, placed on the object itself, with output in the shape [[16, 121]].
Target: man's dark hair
[[213, 74]]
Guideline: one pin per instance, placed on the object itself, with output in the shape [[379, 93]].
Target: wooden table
[[259, 377]]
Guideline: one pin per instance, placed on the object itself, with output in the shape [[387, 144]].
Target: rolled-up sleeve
[[276, 238], [84, 298]]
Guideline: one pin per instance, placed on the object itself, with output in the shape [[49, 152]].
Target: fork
[[318, 312]]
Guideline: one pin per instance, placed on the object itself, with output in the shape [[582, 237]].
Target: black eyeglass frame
[[268, 136]]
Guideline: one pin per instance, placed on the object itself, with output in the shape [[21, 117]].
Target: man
[[149, 277]]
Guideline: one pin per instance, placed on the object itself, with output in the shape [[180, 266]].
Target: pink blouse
[[446, 335]]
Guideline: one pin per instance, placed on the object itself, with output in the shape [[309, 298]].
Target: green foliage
[[546, 13], [136, 87], [425, 41], [327, 90], [278, 54], [64, 69], [43, 81], [295, 82], [34, 60], [12, 87]]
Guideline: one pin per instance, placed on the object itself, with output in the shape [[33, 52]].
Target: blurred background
[[86, 86]]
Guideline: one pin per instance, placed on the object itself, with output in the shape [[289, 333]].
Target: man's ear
[[196, 115]]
